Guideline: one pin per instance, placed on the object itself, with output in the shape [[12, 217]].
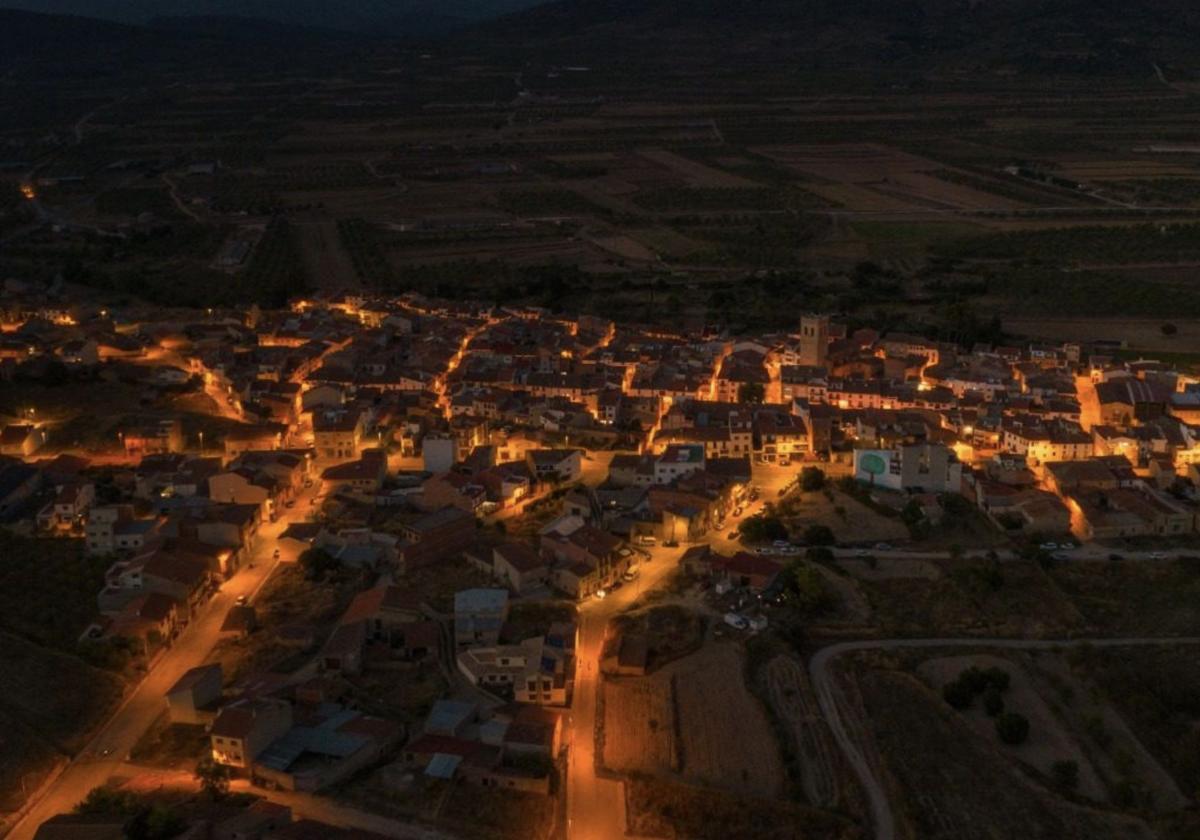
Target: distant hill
[[376, 17], [1089, 36]]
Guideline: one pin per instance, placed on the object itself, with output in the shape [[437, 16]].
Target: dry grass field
[[957, 785], [658, 808], [726, 741], [639, 726], [693, 721]]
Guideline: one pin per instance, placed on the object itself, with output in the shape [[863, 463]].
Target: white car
[[736, 621], [1157, 555], [1048, 546], [601, 594]]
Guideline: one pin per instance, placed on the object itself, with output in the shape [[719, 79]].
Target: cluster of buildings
[[384, 433]]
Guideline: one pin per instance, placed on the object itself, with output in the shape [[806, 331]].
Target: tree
[[751, 392], [993, 703], [763, 528], [997, 678], [958, 694], [819, 535], [1065, 774], [808, 589], [107, 801], [1169, 329], [819, 554], [1013, 728], [317, 562], [812, 479], [213, 777], [158, 822]]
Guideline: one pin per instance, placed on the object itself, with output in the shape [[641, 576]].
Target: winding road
[[828, 694]]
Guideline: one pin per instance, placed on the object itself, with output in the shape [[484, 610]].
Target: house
[[586, 558], [1127, 512], [364, 476], [82, 827], [327, 744], [920, 467], [338, 434], [253, 437], [244, 729], [112, 528], [479, 614], [520, 566], [194, 697], [752, 571], [534, 670], [157, 438], [70, 505], [21, 440], [678, 460], [552, 466], [435, 536], [148, 620]]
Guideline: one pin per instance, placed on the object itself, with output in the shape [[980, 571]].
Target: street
[[105, 753], [596, 805]]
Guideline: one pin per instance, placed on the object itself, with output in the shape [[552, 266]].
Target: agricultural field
[[690, 722], [640, 726]]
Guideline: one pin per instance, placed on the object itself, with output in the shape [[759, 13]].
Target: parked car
[[882, 547], [671, 544], [736, 621], [242, 600], [1048, 546], [1157, 555], [601, 594]]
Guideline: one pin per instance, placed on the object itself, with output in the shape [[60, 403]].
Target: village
[[410, 542]]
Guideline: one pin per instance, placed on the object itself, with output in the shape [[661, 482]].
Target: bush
[[997, 678], [317, 562], [958, 694], [819, 535], [1012, 728], [993, 703], [763, 528], [812, 479], [819, 554], [1065, 774]]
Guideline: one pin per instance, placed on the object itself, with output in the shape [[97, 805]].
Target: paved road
[[829, 697], [104, 754], [596, 805]]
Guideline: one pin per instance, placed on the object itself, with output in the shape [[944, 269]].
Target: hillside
[[378, 17], [1009, 36]]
